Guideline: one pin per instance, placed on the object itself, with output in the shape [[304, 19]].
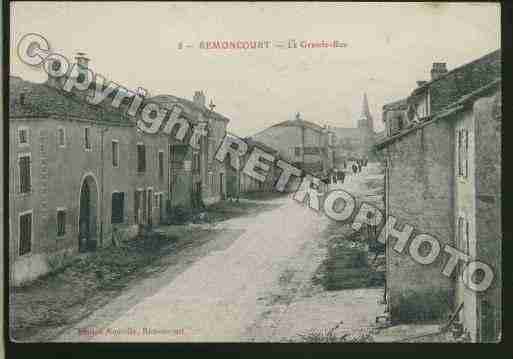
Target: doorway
[[88, 215]]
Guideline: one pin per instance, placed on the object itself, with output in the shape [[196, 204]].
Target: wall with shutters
[[56, 178]]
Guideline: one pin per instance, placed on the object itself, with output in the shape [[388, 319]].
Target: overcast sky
[[389, 48]]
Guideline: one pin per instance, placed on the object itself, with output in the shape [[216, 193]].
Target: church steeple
[[365, 107], [366, 117]]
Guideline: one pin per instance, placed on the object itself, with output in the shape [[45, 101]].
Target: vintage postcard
[[254, 172]]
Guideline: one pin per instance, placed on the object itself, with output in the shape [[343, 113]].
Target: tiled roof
[[169, 99], [396, 105], [491, 56], [446, 112], [299, 123], [42, 100]]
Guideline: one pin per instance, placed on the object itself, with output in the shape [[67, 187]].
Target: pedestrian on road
[[360, 167], [355, 168], [342, 176]]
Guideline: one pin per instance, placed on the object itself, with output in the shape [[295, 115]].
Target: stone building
[[302, 143], [354, 142], [80, 171], [240, 183], [210, 182], [442, 177]]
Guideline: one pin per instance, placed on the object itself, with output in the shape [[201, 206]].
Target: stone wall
[[420, 194]]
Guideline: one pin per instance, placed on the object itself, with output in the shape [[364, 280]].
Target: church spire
[[366, 117], [365, 108]]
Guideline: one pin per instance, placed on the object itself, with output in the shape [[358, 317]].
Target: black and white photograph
[[253, 172]]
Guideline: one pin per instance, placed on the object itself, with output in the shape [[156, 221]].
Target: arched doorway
[[88, 215]]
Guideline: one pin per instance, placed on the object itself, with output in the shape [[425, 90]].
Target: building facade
[[81, 172], [442, 177], [302, 143]]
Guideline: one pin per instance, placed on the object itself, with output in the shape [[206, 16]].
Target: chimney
[[199, 98], [421, 83], [82, 60], [438, 69]]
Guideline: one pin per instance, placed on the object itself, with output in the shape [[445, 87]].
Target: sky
[[390, 46]]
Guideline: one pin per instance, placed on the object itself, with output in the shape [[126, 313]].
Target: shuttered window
[[61, 222], [196, 162], [25, 234], [118, 205], [23, 136], [466, 153], [161, 164], [25, 180], [61, 137], [115, 154], [463, 153], [141, 158], [87, 138]]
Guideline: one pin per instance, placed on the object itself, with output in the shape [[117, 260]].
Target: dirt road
[[256, 287]]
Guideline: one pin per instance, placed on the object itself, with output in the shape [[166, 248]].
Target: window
[[138, 205], [297, 151], [461, 239], [115, 153], [23, 136], [467, 237], [466, 153], [141, 157], [463, 147], [61, 222], [177, 155], [196, 162], [25, 180], [61, 137], [161, 164], [25, 234], [118, 205], [87, 138], [399, 123]]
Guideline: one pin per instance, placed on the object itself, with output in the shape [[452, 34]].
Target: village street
[[252, 286]]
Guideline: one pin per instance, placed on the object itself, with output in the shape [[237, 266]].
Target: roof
[[299, 123], [454, 107], [42, 100], [396, 105], [163, 99], [420, 89], [254, 143]]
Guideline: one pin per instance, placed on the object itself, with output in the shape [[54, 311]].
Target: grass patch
[[224, 210], [64, 297], [426, 306], [328, 335], [346, 265]]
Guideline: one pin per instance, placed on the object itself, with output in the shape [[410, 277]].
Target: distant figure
[[355, 168], [359, 167], [345, 164]]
